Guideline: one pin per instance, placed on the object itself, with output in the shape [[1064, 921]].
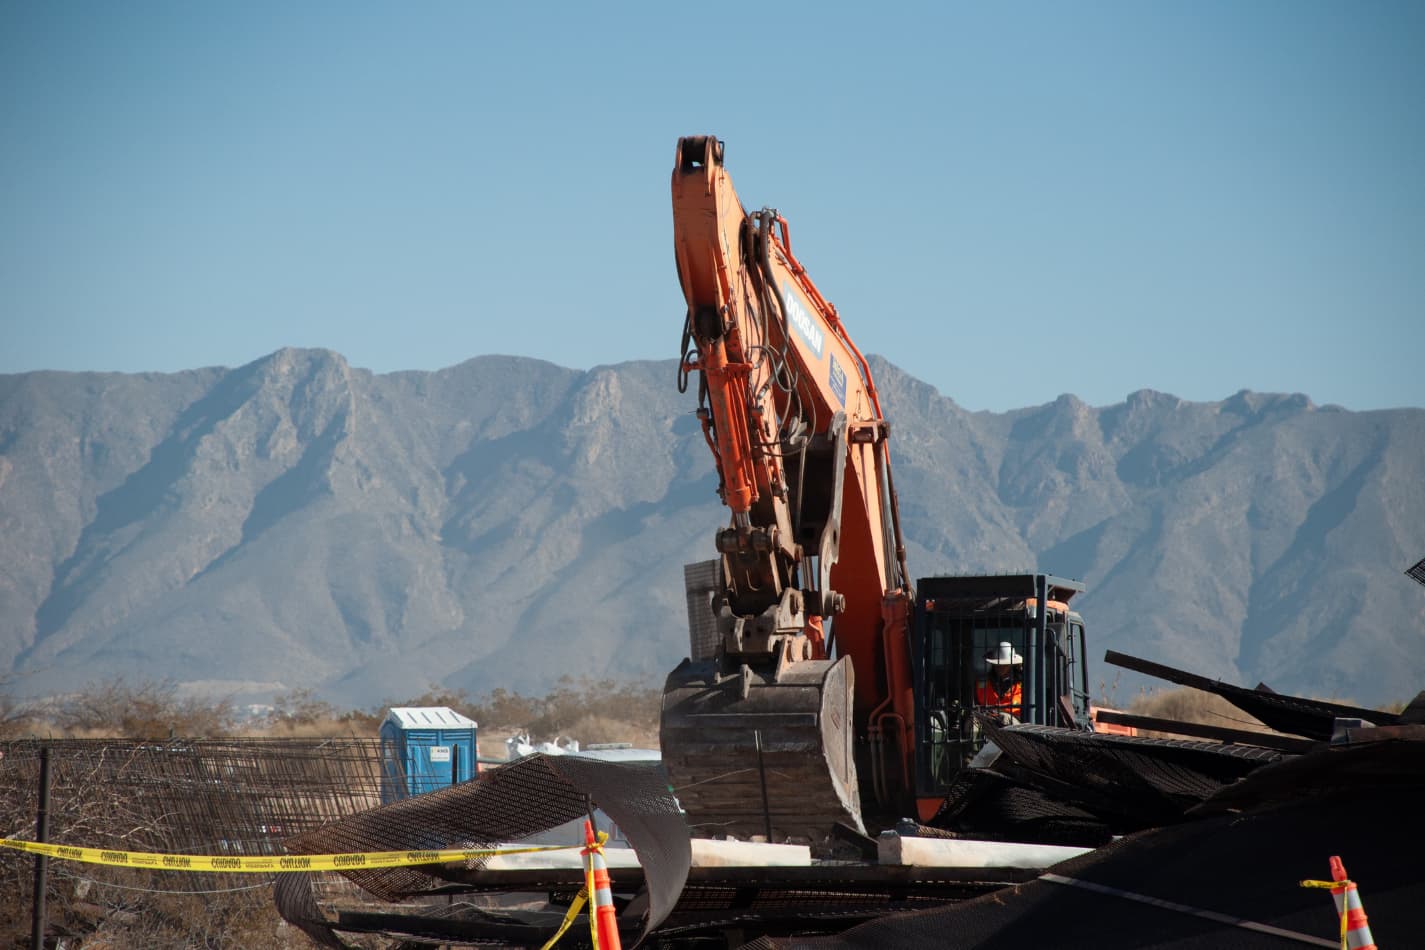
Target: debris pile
[[1196, 841]]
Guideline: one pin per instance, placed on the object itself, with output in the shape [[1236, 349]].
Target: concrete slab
[[962, 853], [563, 858], [748, 854], [706, 854]]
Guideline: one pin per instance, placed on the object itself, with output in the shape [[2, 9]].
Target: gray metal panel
[[701, 580]]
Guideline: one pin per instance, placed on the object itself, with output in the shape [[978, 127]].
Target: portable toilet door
[[424, 748]]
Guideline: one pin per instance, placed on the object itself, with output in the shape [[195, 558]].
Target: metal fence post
[[37, 932]]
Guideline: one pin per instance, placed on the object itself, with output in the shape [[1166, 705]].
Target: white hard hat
[[1004, 656]]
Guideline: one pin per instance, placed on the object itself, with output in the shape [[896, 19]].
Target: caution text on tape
[[266, 863]]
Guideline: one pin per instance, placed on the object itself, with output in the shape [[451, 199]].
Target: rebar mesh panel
[[1417, 572], [505, 804], [190, 796]]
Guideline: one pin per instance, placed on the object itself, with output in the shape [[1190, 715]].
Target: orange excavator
[[819, 669]]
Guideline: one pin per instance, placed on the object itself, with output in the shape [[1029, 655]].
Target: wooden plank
[[1267, 740]]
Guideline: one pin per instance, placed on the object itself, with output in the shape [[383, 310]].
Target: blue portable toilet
[[424, 748]]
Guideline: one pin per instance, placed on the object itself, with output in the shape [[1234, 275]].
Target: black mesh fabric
[[986, 805], [1126, 778], [507, 803], [298, 905], [1365, 764], [1244, 865]]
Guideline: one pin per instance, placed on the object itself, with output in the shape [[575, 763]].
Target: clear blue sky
[[1010, 201]]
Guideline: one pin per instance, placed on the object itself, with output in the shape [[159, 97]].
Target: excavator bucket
[[752, 756]]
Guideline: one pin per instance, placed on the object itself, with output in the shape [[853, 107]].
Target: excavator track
[[752, 756]]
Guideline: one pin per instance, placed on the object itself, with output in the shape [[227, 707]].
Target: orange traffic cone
[[601, 895], [1356, 933]]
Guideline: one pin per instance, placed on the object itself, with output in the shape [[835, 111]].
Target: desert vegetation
[[587, 709], [1184, 704]]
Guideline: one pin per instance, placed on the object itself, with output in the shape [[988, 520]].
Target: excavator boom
[[811, 672]]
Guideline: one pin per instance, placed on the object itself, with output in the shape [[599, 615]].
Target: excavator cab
[[983, 647]]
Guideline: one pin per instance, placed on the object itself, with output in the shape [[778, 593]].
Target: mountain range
[[297, 523]]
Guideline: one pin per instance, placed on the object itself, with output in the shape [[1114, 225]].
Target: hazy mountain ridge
[[296, 522]]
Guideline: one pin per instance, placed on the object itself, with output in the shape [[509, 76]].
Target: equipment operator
[[1002, 690]]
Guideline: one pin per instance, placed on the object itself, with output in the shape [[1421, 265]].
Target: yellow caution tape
[[1331, 886], [577, 904], [574, 907], [265, 864], [590, 887]]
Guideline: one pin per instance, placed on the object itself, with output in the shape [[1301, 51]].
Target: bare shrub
[[300, 714], [115, 709], [596, 728], [438, 696], [502, 708], [612, 708], [1185, 704], [1395, 708], [135, 910], [17, 718]]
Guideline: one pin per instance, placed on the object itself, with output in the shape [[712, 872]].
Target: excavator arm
[[792, 417]]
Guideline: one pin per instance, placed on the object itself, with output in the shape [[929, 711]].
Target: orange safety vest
[[986, 694]]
